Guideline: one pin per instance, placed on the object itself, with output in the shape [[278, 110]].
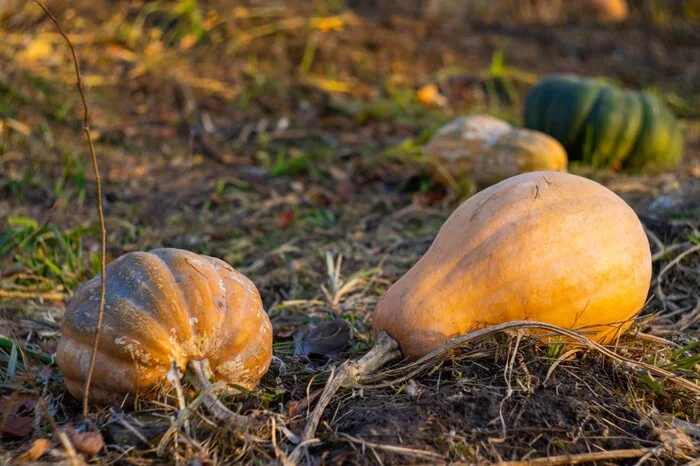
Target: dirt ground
[[282, 137]]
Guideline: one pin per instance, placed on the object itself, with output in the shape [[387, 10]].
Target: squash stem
[[202, 374], [349, 375]]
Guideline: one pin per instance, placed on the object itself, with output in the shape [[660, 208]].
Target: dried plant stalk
[[100, 213]]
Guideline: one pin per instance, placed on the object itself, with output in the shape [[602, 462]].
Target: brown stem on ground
[[385, 349], [574, 339], [583, 457], [202, 374]]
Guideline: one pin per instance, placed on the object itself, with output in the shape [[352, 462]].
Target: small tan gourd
[[488, 150]]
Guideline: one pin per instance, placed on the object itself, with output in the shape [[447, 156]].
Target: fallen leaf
[[328, 85], [429, 95], [18, 126], [285, 331], [37, 50], [119, 52], [346, 189], [295, 406], [434, 196], [18, 426], [188, 41], [89, 443], [36, 451], [285, 220], [17, 414], [695, 171], [326, 339], [675, 440], [331, 23]]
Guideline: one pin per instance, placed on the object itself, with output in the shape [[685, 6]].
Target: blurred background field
[[285, 138]]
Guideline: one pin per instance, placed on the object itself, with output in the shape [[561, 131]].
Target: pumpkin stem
[[202, 374], [350, 374]]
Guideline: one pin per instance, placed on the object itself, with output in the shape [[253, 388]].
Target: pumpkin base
[[202, 373]]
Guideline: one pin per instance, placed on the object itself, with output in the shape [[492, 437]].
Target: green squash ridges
[[556, 94], [573, 110], [614, 122], [604, 125], [532, 112], [657, 146], [628, 135]]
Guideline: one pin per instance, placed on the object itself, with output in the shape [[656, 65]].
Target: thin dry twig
[[556, 363], [507, 376], [661, 248], [675, 262], [668, 249], [279, 454], [657, 340], [133, 430], [100, 213], [581, 458], [24, 295], [395, 449]]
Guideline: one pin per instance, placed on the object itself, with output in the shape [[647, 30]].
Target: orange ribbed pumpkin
[[162, 306], [545, 246]]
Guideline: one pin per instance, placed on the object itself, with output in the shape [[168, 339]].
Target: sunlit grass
[[44, 258]]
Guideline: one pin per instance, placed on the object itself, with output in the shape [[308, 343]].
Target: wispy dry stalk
[[42, 295], [424, 454], [582, 458], [98, 181], [675, 262], [201, 372]]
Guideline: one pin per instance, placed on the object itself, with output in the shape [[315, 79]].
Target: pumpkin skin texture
[[603, 125], [162, 306], [489, 150], [544, 246]]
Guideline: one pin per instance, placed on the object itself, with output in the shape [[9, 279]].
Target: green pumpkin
[[603, 125]]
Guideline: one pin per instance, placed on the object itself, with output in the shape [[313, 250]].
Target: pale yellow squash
[[488, 150]]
